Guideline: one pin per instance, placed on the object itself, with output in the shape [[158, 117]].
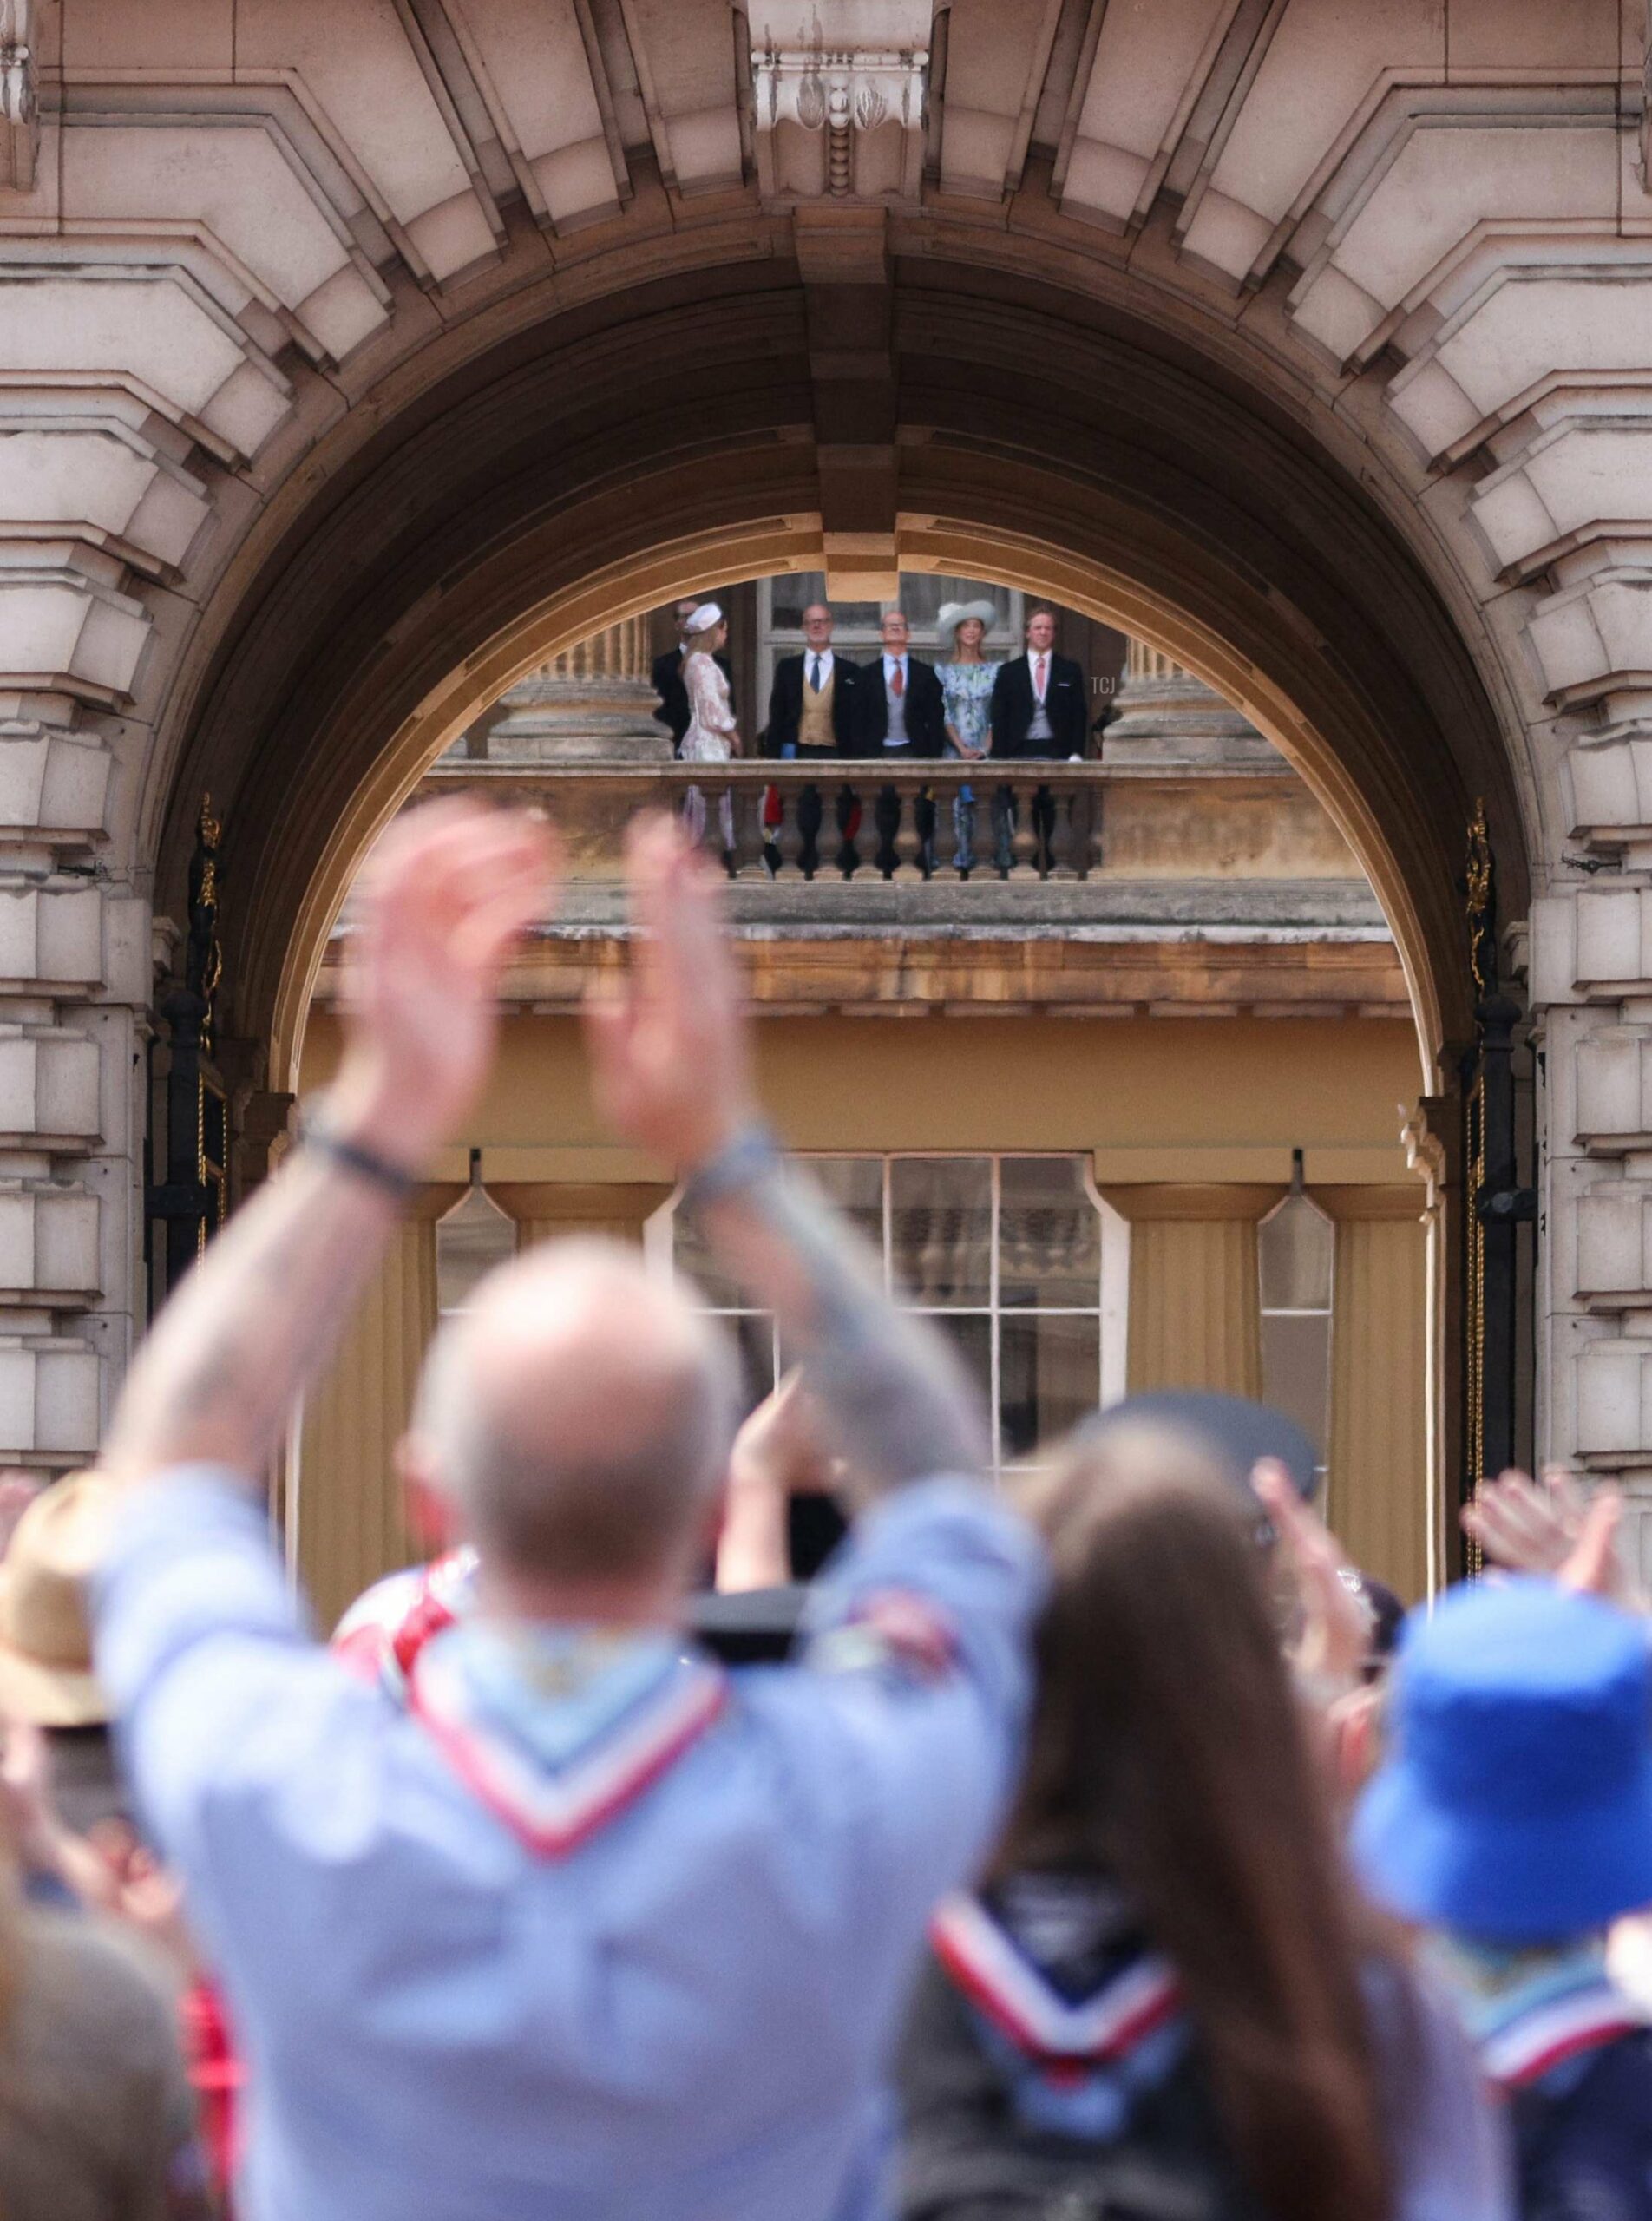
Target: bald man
[[579, 1926]]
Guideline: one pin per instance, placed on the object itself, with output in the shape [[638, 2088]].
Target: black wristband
[[352, 1156]]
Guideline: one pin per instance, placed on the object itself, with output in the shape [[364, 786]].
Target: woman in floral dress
[[966, 688]]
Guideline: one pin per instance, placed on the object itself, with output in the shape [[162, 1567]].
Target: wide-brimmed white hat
[[45, 1641], [704, 618], [954, 613]]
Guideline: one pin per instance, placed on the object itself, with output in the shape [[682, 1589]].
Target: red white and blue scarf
[[1066, 2039], [564, 1737]]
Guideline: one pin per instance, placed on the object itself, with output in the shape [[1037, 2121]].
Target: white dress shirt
[[896, 734]]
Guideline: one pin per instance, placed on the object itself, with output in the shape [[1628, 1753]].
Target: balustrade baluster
[[848, 817], [912, 837], [807, 813], [1081, 818], [796, 836], [731, 827], [886, 813], [1024, 843]]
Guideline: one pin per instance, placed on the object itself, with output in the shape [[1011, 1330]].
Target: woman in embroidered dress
[[1166, 1997], [966, 689], [712, 734]]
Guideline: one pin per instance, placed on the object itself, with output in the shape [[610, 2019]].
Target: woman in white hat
[[966, 689], [712, 736]]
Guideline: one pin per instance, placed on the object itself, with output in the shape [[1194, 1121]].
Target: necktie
[[1040, 682], [898, 682], [813, 674]]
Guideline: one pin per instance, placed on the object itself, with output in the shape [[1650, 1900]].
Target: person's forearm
[[891, 1388], [753, 1549], [253, 1322]]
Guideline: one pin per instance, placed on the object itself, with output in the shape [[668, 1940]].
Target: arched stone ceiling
[[665, 437]]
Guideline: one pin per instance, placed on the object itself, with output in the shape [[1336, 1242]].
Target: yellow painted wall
[[1156, 1099]]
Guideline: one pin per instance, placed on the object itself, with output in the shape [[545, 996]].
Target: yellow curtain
[[543, 1209], [1377, 1497], [347, 1502], [1195, 1306]]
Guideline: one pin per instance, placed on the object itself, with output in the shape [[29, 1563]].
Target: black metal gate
[[1495, 1204], [188, 1184]]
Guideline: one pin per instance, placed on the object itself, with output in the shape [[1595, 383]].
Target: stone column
[[1377, 1493], [347, 1524], [1194, 1297], [593, 703], [546, 1208], [1166, 718]]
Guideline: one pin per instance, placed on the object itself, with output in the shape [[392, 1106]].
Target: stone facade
[[241, 246]]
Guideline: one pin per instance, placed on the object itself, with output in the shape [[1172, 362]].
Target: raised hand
[[445, 895], [1524, 1525], [441, 901], [1335, 1635], [670, 1065]]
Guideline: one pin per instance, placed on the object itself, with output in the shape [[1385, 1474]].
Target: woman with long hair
[[1165, 1999]]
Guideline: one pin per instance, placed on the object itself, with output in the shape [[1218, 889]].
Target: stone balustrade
[[865, 822]]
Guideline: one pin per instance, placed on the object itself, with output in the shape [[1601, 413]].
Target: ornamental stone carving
[[839, 102], [19, 112]]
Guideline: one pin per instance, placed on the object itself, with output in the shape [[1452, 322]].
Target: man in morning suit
[[813, 708], [673, 712], [1040, 708], [903, 714]]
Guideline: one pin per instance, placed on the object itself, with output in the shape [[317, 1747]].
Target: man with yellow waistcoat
[[812, 713]]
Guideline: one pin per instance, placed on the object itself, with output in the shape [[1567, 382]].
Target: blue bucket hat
[[1517, 1803]]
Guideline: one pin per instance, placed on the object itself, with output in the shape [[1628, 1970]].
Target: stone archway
[[565, 480]]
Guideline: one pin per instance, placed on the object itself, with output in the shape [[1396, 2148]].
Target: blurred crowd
[[1103, 1844]]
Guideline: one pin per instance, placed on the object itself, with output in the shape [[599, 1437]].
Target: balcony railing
[[842, 820]]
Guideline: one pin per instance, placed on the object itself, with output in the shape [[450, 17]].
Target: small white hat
[[954, 613], [704, 618]]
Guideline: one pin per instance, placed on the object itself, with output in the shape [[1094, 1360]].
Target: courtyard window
[[1295, 1255], [1015, 1258]]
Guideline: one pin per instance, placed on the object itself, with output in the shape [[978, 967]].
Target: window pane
[[1294, 1243], [856, 1185], [470, 1240], [971, 1334], [1049, 1374], [1296, 1369], [791, 595], [941, 1222], [694, 1260], [1049, 1233], [753, 1337]]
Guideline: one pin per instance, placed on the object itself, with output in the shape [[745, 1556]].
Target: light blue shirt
[[684, 2018]]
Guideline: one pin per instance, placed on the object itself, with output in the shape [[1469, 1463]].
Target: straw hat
[[45, 1640], [953, 614]]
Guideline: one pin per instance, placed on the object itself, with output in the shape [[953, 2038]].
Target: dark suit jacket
[[673, 712], [1066, 697], [926, 710], [786, 704]]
